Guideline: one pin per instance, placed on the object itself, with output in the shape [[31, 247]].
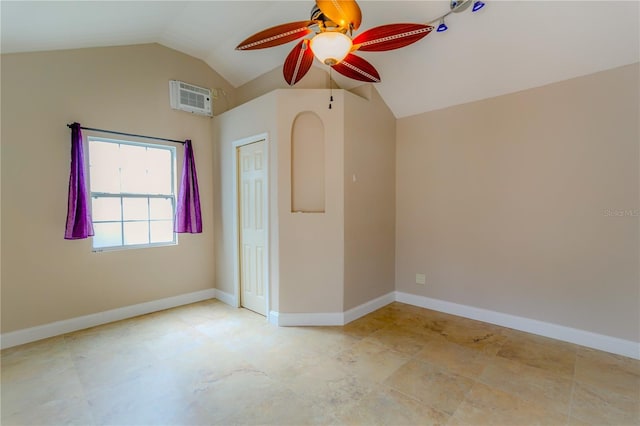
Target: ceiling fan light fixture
[[442, 27], [477, 6], [331, 47]]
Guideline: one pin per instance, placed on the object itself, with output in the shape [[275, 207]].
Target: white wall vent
[[190, 98]]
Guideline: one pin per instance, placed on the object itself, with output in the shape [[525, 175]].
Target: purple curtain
[[79, 223], [188, 216]]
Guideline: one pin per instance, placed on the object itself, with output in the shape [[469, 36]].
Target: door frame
[[236, 222]]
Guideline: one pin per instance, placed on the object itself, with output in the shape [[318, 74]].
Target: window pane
[[162, 231], [107, 234], [134, 181], [105, 179], [106, 209], [159, 171], [135, 208], [161, 208], [134, 169], [104, 154], [136, 233], [133, 156]]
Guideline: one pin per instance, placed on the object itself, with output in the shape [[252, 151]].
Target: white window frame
[[123, 195]]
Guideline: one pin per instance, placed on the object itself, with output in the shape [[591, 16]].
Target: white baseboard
[[227, 298], [368, 307], [331, 318], [602, 342], [57, 328], [581, 337], [273, 317], [306, 319]]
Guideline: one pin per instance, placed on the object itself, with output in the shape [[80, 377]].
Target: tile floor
[[207, 363]]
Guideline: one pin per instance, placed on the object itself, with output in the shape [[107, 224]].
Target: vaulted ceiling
[[505, 47]]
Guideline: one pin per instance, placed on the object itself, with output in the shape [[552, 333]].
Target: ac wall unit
[[187, 97]]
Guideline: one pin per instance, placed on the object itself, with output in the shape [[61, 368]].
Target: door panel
[[252, 184]]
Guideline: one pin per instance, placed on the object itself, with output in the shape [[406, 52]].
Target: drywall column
[[312, 244]]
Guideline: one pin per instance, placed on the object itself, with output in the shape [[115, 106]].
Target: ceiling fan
[[333, 23]]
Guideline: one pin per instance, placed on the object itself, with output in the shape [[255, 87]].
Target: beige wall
[[506, 204], [44, 277], [369, 155]]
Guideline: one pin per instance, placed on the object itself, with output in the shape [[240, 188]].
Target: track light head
[[477, 6]]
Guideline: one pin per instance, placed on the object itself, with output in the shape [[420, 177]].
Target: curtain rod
[[129, 134]]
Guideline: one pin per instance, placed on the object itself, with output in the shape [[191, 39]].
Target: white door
[[252, 211]]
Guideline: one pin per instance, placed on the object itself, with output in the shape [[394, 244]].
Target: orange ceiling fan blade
[[298, 62], [389, 37], [274, 36], [357, 68], [345, 13]]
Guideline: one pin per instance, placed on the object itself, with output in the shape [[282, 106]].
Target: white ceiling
[[506, 47]]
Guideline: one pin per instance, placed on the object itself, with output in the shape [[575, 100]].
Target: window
[[132, 193]]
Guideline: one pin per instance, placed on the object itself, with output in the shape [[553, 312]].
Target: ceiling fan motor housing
[[321, 19], [316, 14]]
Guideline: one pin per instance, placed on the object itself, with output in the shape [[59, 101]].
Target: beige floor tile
[[540, 352], [609, 371], [390, 407], [203, 367], [72, 410], [431, 325], [35, 360], [134, 398], [399, 340], [204, 312], [487, 406], [20, 397], [433, 386], [329, 388], [283, 361], [327, 340], [454, 358], [576, 422], [370, 361], [599, 406], [278, 407], [363, 327], [232, 395], [483, 337], [531, 384], [479, 336], [174, 409], [104, 338], [236, 330], [110, 367], [151, 326], [174, 343]]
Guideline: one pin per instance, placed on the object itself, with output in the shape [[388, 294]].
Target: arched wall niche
[[307, 164]]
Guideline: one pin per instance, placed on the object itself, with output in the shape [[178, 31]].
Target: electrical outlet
[[421, 279]]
